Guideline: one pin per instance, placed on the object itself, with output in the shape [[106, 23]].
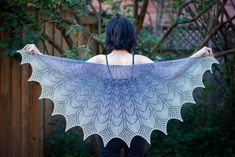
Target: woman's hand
[[31, 48], [203, 52]]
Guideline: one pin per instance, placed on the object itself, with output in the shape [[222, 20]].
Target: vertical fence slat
[[57, 40], [1, 108], [35, 123], [15, 103], [1, 105], [25, 111], [5, 105], [41, 125]]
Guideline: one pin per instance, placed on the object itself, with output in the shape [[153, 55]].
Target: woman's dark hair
[[120, 34]]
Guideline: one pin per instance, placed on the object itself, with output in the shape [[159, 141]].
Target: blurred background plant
[[71, 144], [180, 28]]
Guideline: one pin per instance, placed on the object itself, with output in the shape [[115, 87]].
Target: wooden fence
[[21, 114], [23, 118]]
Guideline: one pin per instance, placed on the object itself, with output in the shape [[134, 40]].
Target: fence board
[[34, 119], [24, 111], [15, 97], [5, 106], [21, 117]]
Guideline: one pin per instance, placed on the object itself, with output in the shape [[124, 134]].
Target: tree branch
[[140, 19], [174, 25], [228, 17], [185, 5], [136, 6], [224, 53], [196, 17], [67, 38], [55, 45], [94, 11], [162, 39], [212, 32]]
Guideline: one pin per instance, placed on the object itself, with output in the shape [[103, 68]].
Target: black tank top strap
[[106, 57], [133, 58]]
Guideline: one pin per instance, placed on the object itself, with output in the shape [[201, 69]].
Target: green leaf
[[70, 54], [200, 7], [75, 28], [100, 37], [108, 2], [3, 45]]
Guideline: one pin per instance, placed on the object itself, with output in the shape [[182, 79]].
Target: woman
[[120, 39]]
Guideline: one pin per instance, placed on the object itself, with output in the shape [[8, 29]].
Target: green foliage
[[20, 28], [100, 37], [166, 56], [20, 20], [86, 53], [145, 42], [69, 144], [207, 129], [75, 28], [199, 135], [70, 54]]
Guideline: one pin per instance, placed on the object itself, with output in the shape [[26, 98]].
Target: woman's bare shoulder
[[96, 59], [143, 59]]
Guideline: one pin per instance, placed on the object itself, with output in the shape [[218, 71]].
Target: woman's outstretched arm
[[32, 48]]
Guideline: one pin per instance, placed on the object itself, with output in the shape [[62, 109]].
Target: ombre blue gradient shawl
[[117, 101]]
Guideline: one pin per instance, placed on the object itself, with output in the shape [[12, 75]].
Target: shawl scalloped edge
[[89, 130]]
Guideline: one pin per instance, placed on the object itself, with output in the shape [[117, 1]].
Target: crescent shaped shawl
[[117, 101]]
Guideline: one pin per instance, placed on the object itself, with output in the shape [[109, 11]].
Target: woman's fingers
[[207, 52], [204, 52], [210, 52], [29, 48], [25, 46]]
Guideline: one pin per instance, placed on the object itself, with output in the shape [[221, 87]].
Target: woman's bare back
[[120, 59]]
